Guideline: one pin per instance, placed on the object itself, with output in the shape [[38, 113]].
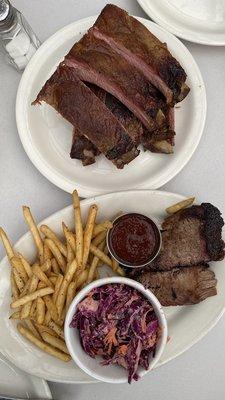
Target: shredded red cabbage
[[116, 322]]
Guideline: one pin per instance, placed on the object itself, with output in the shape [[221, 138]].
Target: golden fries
[[31, 297], [43, 291], [78, 229], [57, 254], [41, 344], [51, 235], [35, 232], [180, 206]]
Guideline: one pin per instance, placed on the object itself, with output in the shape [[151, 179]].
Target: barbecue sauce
[[134, 239]]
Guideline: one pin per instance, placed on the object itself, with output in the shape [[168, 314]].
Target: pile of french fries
[[42, 292]]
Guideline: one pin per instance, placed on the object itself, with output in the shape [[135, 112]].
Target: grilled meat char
[[135, 43], [72, 98], [96, 62], [191, 237], [180, 286]]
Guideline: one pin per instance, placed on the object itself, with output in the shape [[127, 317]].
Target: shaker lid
[[6, 12]]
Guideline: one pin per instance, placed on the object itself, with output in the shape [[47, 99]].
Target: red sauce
[[134, 239]]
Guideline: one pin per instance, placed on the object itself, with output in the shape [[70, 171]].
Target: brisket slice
[[82, 108], [96, 62], [180, 286], [134, 42], [191, 237]]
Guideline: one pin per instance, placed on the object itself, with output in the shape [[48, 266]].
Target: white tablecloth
[[199, 373]]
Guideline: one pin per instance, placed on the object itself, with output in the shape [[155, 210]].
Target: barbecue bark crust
[[190, 237], [133, 41], [180, 286], [72, 98]]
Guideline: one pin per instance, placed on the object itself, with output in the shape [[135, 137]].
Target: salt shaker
[[18, 42]]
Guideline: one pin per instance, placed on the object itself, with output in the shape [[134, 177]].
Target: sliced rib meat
[[180, 286], [135, 43], [191, 237], [94, 61], [83, 109]]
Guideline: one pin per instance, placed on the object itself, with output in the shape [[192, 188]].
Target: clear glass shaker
[[18, 42]]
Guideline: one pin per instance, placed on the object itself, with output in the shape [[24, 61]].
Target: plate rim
[[90, 200], [51, 174], [188, 35]]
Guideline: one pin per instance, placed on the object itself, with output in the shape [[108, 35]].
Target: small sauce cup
[[134, 240]]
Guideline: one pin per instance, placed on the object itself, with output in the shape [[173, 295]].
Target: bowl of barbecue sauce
[[134, 240]]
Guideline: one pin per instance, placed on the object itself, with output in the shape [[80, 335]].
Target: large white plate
[[14, 382], [46, 136], [186, 324], [199, 21]]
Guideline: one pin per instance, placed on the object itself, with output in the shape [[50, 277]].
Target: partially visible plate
[[186, 325], [47, 137], [199, 21], [16, 383]]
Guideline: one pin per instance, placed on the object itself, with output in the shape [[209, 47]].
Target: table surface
[[199, 373]]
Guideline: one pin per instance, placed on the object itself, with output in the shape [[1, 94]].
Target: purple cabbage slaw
[[117, 322]]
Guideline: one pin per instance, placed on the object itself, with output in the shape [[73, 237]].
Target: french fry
[[101, 255], [53, 279], [116, 268], [18, 280], [45, 267], [40, 311], [56, 328], [15, 290], [57, 254], [88, 232], [47, 252], [25, 288], [32, 296], [6, 244], [26, 265], [26, 309], [70, 253], [55, 266], [82, 278], [70, 294], [15, 315], [43, 328], [180, 206], [104, 226], [35, 232], [47, 318], [78, 229], [41, 285], [17, 264], [41, 275], [41, 344], [51, 235], [99, 238], [33, 310], [94, 264], [60, 301], [57, 287], [70, 237], [51, 307], [32, 328], [55, 342]]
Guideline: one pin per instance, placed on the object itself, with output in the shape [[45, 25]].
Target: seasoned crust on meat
[[180, 286], [190, 237]]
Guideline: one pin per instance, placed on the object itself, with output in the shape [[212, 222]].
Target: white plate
[[16, 383], [47, 137], [186, 325], [199, 21]]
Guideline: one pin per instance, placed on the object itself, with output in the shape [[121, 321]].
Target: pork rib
[[135, 43], [96, 62], [83, 109], [190, 237], [180, 286]]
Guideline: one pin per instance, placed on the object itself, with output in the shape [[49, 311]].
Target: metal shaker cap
[[6, 14]]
